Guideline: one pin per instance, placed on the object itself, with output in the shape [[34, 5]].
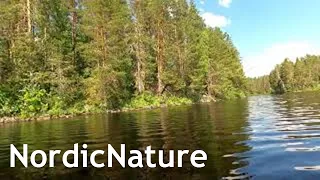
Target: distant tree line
[[259, 85], [289, 76], [62, 56]]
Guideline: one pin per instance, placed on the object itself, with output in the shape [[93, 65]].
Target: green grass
[[147, 100]]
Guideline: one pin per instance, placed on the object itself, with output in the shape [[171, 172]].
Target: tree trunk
[[139, 74], [138, 47], [103, 66], [74, 28], [159, 58], [140, 56], [29, 17], [139, 81]]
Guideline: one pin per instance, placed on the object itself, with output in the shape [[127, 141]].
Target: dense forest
[[259, 85], [74, 56], [289, 76]]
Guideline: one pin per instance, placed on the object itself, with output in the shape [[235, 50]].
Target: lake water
[[261, 137]]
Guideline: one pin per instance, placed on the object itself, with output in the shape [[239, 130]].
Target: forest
[[301, 75], [79, 56]]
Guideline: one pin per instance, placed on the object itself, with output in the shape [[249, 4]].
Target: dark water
[[262, 137]]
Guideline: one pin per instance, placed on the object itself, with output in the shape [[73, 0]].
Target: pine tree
[[301, 75], [106, 24], [287, 74], [159, 19], [80, 55], [197, 49], [141, 45]]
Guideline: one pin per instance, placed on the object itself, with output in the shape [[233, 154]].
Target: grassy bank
[[37, 105], [309, 89]]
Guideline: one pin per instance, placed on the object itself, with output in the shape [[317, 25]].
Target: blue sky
[[266, 31]]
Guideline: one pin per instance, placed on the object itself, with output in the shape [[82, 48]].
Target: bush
[[228, 92], [148, 100], [56, 105], [33, 101], [144, 100], [177, 101], [7, 105], [77, 108]]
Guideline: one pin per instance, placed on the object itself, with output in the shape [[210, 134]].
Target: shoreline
[[17, 119], [44, 117]]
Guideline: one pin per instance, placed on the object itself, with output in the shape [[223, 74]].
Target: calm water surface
[[262, 137]]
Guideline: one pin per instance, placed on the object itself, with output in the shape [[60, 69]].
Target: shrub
[[56, 105], [33, 101], [176, 101], [144, 100], [148, 100], [7, 105]]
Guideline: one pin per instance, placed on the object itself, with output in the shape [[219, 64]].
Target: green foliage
[[299, 76], [56, 106], [77, 108], [260, 85], [177, 101], [287, 74], [145, 100], [148, 100], [33, 102], [232, 93], [7, 105], [70, 57]]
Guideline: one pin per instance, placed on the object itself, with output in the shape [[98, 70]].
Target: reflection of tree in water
[[46, 135], [213, 128], [293, 105], [221, 134]]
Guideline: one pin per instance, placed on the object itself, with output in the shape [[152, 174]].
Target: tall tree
[[83, 54], [287, 74], [107, 24], [140, 43]]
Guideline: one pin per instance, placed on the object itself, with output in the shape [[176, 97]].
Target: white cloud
[[202, 2], [214, 20], [263, 63], [225, 3]]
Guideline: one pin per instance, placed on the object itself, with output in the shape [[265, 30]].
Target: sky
[[266, 31]]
